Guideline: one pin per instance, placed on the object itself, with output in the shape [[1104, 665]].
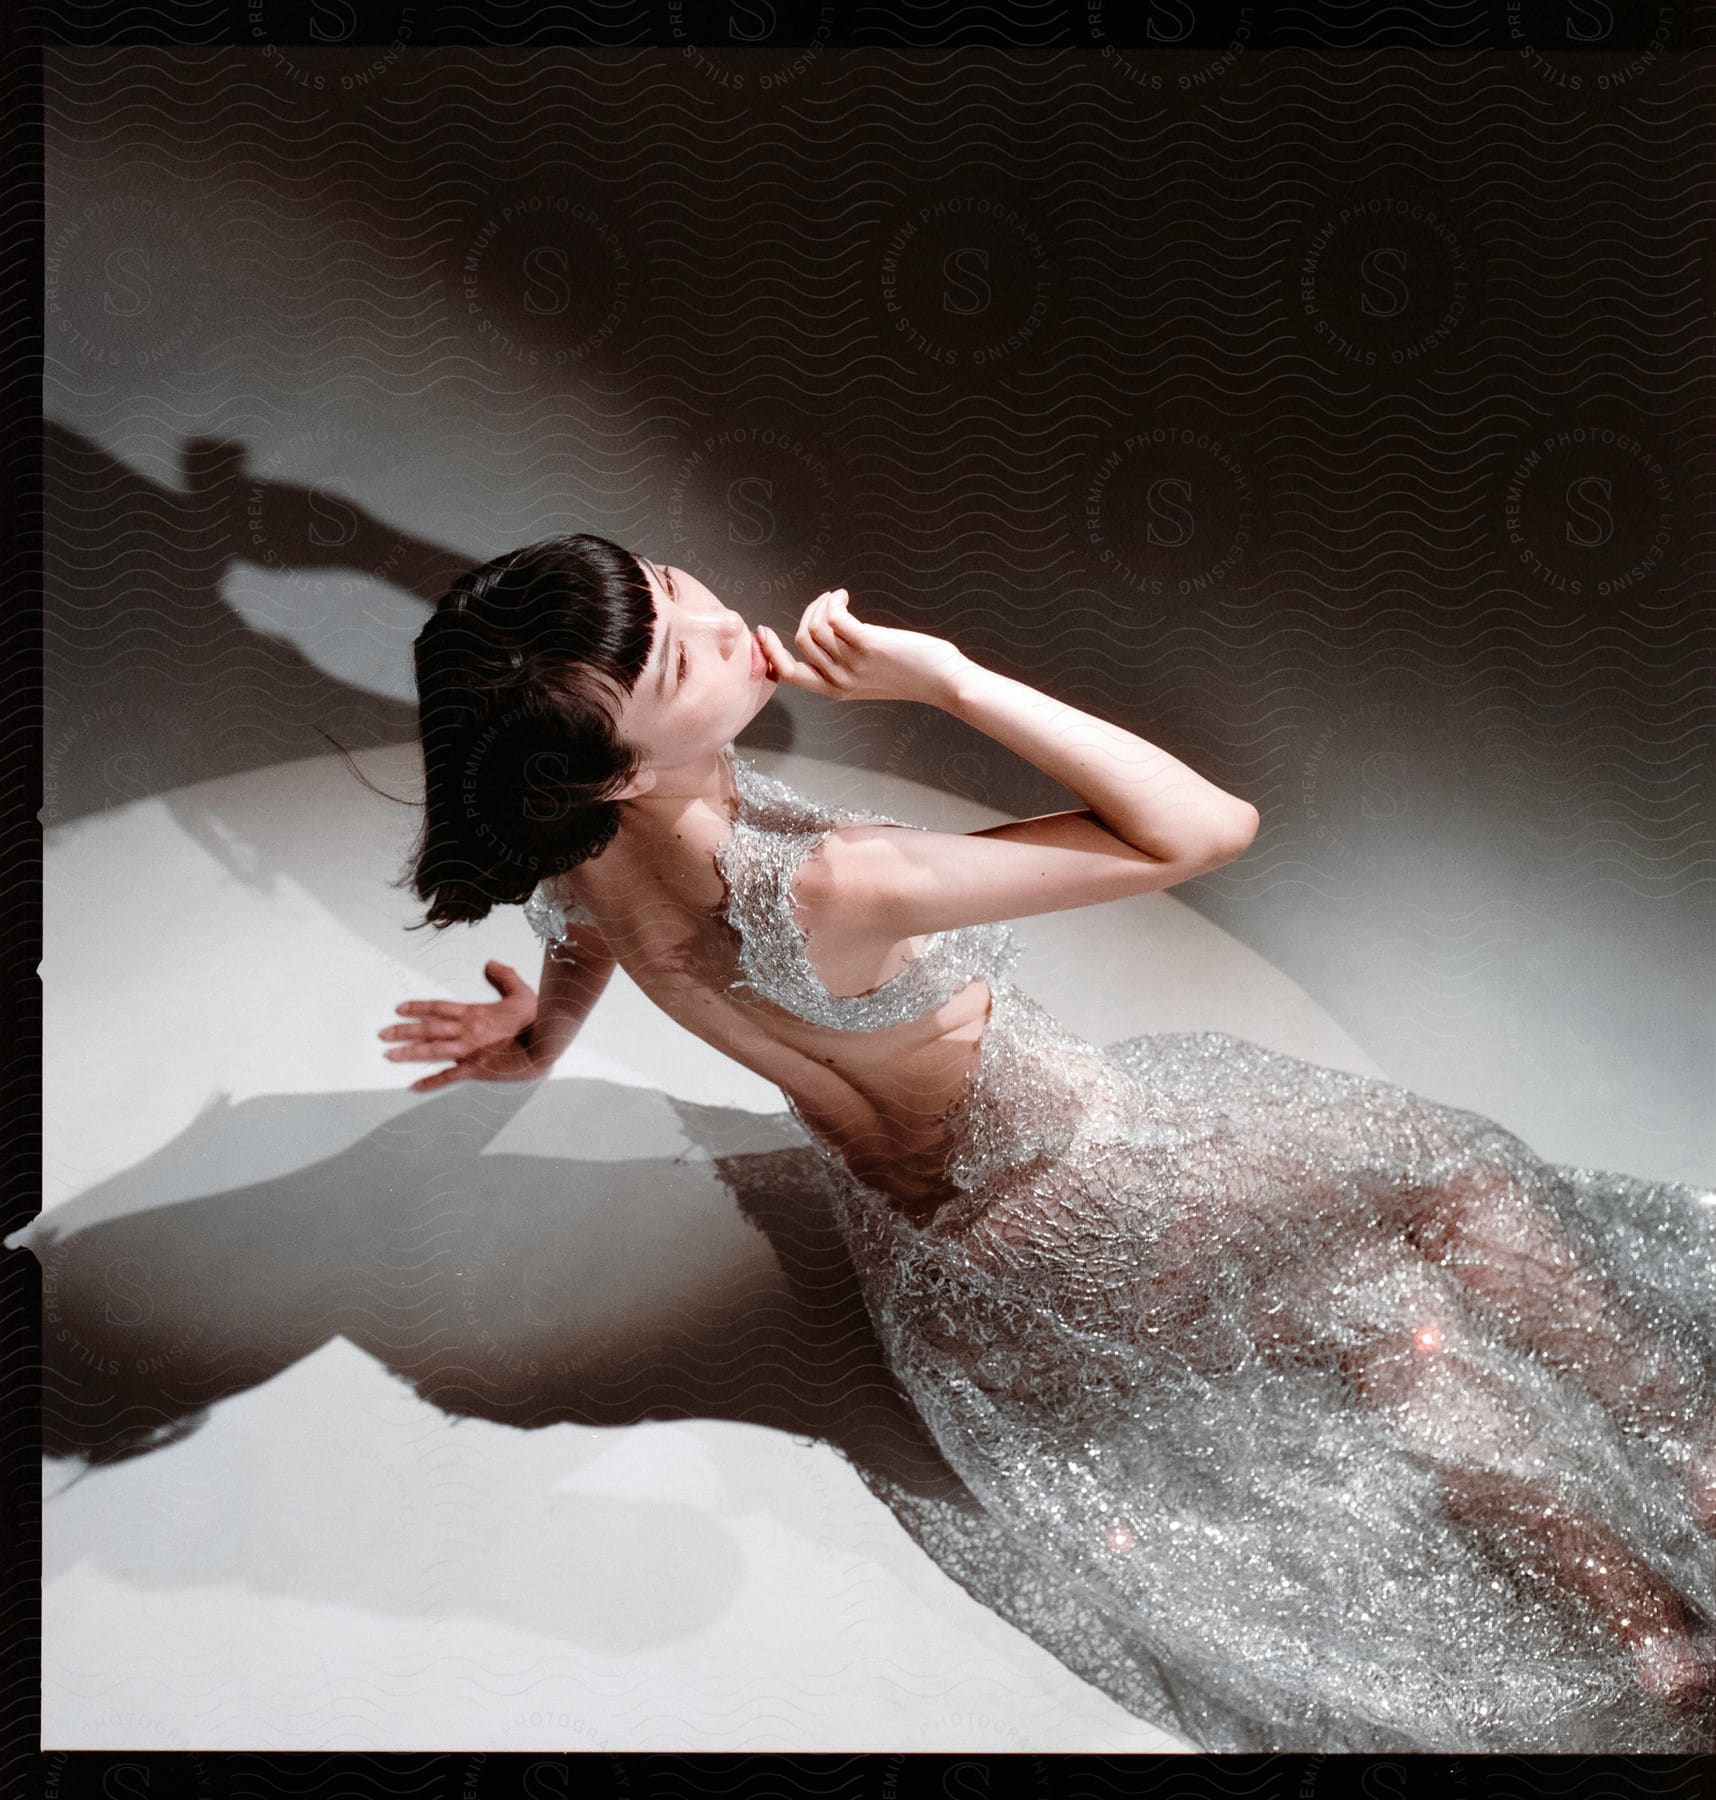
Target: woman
[[1297, 1411]]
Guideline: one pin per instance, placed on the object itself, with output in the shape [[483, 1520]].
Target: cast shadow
[[529, 1290], [152, 680], [154, 683]]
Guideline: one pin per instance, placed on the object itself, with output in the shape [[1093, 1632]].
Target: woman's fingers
[[779, 661], [817, 658], [810, 647], [431, 1050], [837, 616], [821, 621], [504, 978], [841, 619], [421, 1028], [824, 632], [822, 645], [491, 1063], [431, 1009], [790, 670], [447, 1045], [436, 1030]]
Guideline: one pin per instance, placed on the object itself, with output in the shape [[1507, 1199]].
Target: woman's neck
[[713, 786]]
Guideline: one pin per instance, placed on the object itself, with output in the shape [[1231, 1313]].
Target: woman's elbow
[[1235, 839]]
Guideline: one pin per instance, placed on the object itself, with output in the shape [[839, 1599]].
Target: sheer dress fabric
[[1290, 1408]]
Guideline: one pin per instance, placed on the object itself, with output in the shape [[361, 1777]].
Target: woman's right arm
[[1141, 793], [1150, 823]]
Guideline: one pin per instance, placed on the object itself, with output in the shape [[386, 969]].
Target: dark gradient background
[[1340, 423], [1335, 414]]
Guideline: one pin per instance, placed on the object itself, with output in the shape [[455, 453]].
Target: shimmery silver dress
[[1293, 1410]]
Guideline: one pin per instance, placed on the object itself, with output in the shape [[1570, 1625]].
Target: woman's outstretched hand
[[842, 658], [486, 1040]]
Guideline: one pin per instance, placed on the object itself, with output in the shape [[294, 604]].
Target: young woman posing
[[1297, 1411]]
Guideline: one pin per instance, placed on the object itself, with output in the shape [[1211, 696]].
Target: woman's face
[[701, 685]]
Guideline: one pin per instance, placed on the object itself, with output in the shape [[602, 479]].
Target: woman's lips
[[759, 663]]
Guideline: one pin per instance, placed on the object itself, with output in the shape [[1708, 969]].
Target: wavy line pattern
[[1342, 422]]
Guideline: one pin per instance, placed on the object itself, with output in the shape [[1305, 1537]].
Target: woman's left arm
[[518, 1037], [568, 989]]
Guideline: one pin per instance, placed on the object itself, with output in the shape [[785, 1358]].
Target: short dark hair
[[519, 674]]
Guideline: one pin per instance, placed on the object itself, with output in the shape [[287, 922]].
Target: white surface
[[237, 1183]]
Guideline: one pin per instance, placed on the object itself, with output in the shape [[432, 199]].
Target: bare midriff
[[882, 1099], [891, 1115]]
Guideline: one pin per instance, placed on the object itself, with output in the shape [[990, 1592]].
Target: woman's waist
[[898, 1132], [1022, 1089], [890, 1112]]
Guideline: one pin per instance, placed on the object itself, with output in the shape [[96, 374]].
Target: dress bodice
[[776, 829]]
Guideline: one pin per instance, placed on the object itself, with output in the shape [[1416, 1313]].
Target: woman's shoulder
[[614, 885], [550, 908], [693, 869], [767, 803], [562, 887]]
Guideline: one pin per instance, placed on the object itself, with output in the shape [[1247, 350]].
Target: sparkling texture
[[1294, 1410], [548, 915], [775, 831]]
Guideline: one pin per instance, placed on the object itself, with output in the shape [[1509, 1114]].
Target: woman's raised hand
[[843, 658], [486, 1040]]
